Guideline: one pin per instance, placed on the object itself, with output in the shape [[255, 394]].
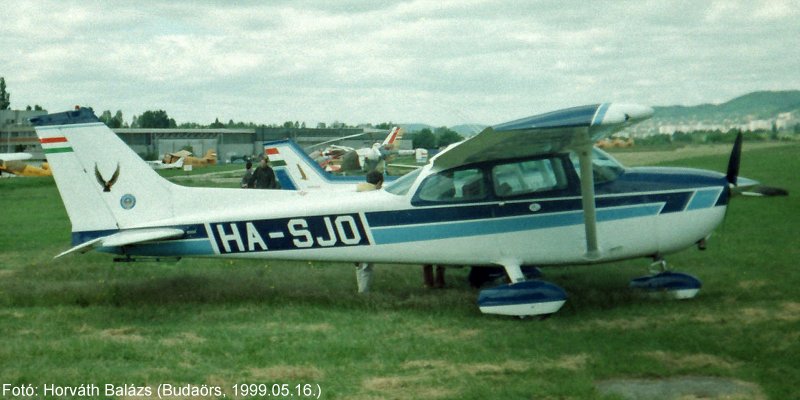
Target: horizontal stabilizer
[[82, 248], [125, 238], [135, 236]]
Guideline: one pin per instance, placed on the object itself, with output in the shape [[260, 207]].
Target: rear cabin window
[[531, 176], [454, 186]]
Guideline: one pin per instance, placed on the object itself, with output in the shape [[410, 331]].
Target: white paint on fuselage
[[619, 239]]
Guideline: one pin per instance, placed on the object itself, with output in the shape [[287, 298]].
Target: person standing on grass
[[263, 177], [364, 270], [248, 173]]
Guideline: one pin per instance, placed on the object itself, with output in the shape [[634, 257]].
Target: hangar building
[[17, 135]]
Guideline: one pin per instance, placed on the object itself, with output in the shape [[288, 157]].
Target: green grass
[[83, 319]]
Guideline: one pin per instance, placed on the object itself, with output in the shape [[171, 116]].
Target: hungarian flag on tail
[[274, 156]]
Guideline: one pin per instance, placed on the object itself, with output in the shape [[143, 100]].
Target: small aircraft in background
[[15, 156], [530, 192], [185, 157], [296, 170], [337, 158], [13, 164], [160, 164]]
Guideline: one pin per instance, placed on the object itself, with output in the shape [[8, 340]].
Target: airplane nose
[[626, 113]]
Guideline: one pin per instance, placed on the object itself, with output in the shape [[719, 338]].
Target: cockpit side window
[[524, 177], [453, 186]]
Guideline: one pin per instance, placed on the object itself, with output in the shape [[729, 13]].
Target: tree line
[[159, 119]]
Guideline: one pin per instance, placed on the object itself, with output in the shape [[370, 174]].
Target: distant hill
[[756, 105], [468, 130], [414, 127]]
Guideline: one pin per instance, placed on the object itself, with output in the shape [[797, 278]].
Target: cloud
[[442, 63]]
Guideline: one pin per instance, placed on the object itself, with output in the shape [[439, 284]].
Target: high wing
[[575, 129], [568, 129]]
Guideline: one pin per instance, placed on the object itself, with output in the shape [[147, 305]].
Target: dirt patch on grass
[[278, 327], [125, 334], [12, 314], [619, 324], [443, 334], [787, 311], [183, 339], [790, 311], [405, 387], [286, 373], [681, 388], [494, 369], [573, 362], [694, 361], [756, 284], [423, 378]]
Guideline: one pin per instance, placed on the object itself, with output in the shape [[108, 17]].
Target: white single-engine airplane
[[510, 196]]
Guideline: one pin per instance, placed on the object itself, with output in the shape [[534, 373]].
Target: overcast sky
[[435, 62]]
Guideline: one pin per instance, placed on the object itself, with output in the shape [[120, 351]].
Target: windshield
[[402, 184], [605, 167]]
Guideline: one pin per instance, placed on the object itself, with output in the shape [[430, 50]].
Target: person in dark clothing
[[263, 177], [248, 173]]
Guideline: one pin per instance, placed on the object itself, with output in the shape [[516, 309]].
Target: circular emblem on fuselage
[[127, 201]]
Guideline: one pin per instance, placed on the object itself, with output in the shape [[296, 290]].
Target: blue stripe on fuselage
[[671, 201], [704, 199], [441, 230]]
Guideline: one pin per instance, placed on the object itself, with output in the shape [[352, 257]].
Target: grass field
[[85, 320]]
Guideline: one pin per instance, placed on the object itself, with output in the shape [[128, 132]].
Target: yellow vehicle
[[20, 168]]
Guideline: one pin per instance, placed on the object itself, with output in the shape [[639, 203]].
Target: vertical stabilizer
[[395, 134], [104, 185], [297, 171]]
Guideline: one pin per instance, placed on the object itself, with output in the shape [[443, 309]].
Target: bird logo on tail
[[106, 184]]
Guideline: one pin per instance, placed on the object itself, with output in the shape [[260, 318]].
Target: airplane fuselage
[[642, 212]]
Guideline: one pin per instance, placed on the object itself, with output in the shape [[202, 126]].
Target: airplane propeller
[[734, 161]]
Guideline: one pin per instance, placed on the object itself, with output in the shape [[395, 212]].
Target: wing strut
[[587, 197]]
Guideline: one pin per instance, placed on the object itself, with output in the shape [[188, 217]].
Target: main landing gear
[[522, 298], [666, 283]]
